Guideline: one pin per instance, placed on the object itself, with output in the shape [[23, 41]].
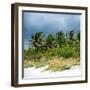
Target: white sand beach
[[33, 72]]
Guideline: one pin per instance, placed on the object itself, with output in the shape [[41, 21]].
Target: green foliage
[[58, 44], [43, 49], [78, 36], [71, 35], [60, 38], [50, 41], [66, 52], [38, 40]]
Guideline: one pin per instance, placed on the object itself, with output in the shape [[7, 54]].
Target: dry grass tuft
[[56, 64]]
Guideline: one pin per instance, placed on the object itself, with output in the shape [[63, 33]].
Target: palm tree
[[71, 35], [51, 41], [38, 40], [60, 38]]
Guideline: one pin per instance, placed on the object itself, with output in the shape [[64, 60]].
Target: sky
[[48, 23]]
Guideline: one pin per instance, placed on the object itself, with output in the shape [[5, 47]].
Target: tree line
[[59, 44], [59, 51], [41, 42]]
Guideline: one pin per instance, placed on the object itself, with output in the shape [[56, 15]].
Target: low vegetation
[[57, 51]]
